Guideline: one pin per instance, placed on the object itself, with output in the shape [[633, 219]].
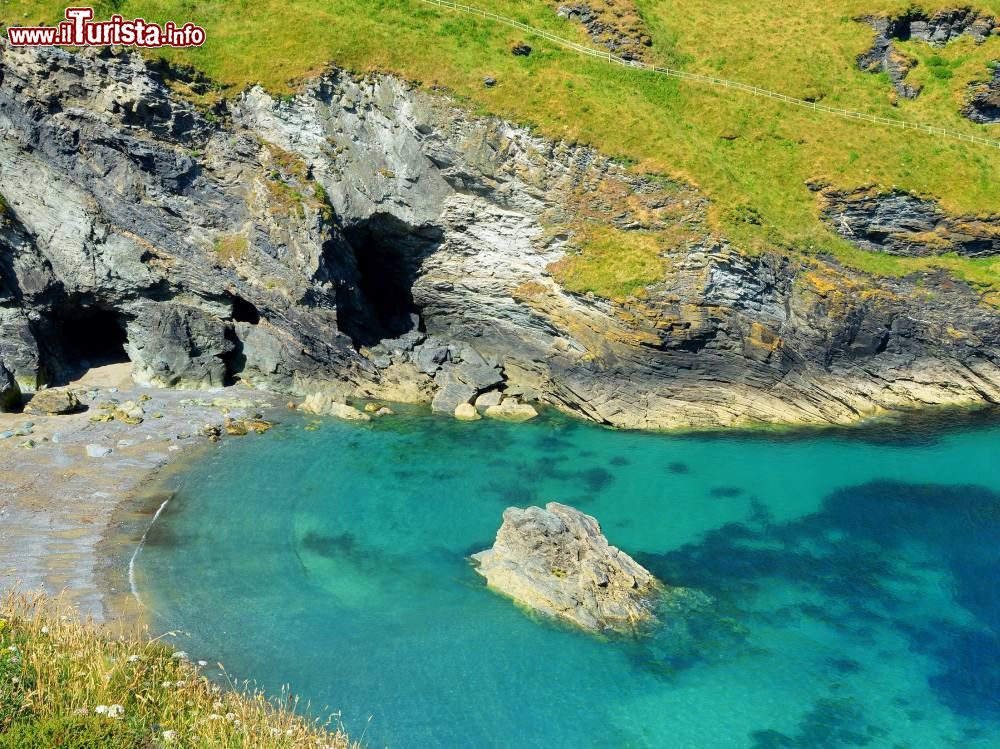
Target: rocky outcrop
[[984, 100], [10, 392], [53, 402], [511, 409], [372, 239], [902, 224], [614, 24], [332, 404], [937, 29], [557, 562]]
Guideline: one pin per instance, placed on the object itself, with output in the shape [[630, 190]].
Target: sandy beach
[[69, 516]]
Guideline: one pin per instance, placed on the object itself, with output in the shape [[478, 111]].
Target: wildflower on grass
[[101, 709], [180, 684], [45, 630], [133, 659], [167, 684], [116, 711], [169, 736]]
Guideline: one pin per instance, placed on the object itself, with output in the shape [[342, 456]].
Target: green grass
[[752, 157], [67, 684]]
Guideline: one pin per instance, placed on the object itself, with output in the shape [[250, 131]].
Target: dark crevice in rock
[[244, 311], [388, 253]]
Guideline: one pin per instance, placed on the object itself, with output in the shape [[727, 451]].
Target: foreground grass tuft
[[65, 683]]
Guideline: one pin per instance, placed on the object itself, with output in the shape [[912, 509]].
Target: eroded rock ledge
[[936, 28], [899, 223], [371, 239], [556, 561]]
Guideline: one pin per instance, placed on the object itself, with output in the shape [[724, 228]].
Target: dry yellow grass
[[63, 680]]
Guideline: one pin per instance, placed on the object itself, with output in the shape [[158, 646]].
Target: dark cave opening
[[388, 254], [86, 337], [244, 311]]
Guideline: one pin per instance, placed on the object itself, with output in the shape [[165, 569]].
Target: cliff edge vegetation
[[66, 683]]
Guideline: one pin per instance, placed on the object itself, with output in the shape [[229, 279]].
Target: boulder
[[466, 412], [10, 392], [53, 402], [492, 398], [512, 410], [451, 396], [130, 412], [557, 562], [478, 375], [332, 404]]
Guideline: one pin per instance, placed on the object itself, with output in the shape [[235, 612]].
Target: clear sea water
[[855, 578]]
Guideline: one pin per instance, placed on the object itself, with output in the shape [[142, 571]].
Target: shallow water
[[854, 576]]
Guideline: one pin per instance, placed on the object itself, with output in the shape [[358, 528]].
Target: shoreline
[[65, 516], [71, 523]]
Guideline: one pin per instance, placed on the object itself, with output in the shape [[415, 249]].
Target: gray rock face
[[10, 393], [937, 29], [984, 100], [174, 345], [903, 224], [556, 561], [451, 395], [375, 239]]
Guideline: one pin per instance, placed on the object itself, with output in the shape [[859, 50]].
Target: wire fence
[[718, 82]]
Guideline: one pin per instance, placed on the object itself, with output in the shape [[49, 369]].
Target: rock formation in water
[[373, 239], [557, 561]]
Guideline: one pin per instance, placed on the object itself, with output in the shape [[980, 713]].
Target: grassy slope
[[769, 150], [57, 672]]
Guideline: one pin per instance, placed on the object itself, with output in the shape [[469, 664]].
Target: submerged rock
[[53, 402], [557, 562]]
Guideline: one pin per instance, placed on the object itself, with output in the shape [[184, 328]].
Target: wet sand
[[68, 520]]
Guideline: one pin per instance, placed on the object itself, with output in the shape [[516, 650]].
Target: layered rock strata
[[370, 238]]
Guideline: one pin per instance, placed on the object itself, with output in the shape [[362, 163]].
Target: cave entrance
[[88, 337], [388, 253]]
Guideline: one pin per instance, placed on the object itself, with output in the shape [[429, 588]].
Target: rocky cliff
[[371, 237]]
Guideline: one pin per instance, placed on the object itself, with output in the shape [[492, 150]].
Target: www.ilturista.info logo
[[79, 30]]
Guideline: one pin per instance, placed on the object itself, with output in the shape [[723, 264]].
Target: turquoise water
[[855, 580]]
